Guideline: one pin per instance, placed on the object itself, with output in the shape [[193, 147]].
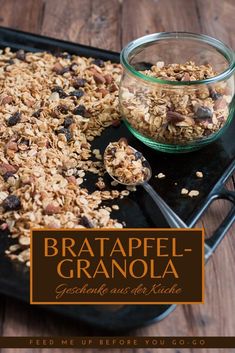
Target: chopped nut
[[86, 222], [20, 54], [108, 78], [11, 203], [103, 92], [71, 179], [57, 67], [14, 119], [113, 88]]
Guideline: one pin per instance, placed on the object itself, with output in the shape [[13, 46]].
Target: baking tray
[[216, 161]]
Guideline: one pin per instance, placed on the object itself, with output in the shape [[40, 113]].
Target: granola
[[160, 176], [125, 164], [184, 191], [193, 193], [51, 108], [199, 174], [176, 114]]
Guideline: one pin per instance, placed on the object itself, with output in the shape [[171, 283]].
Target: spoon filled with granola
[[127, 166]]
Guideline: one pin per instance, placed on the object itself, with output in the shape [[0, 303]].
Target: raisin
[[64, 70], [14, 119], [215, 95], [64, 55], [204, 113], [68, 121], [207, 132], [11, 203], [112, 151], [138, 155], [79, 82], [98, 62], [142, 66], [77, 93], [5, 168], [20, 54], [7, 175], [113, 88], [63, 108], [24, 141], [67, 133], [37, 113], [116, 123], [59, 90], [81, 110], [85, 222]]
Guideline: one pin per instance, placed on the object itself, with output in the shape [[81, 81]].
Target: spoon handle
[[171, 217]]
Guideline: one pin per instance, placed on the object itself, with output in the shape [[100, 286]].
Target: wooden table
[[111, 24]]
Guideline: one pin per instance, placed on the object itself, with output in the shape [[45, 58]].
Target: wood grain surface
[[111, 24]]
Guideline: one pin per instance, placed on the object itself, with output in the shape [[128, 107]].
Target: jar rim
[[151, 38]]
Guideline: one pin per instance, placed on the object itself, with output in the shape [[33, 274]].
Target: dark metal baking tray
[[216, 161]]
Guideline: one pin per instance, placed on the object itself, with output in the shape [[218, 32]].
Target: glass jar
[[177, 115]]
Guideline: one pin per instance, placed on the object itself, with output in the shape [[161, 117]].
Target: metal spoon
[[171, 217]]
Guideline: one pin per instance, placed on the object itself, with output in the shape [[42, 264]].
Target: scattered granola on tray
[[176, 115], [51, 108], [125, 164]]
